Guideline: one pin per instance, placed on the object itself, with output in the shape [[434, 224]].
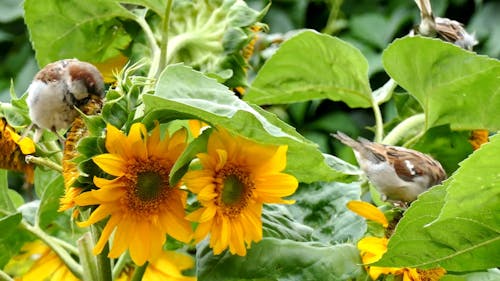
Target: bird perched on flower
[[58, 89], [446, 29], [398, 173]]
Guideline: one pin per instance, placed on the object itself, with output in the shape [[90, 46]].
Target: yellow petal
[[109, 67], [276, 185], [111, 164], [368, 211], [116, 142], [137, 138], [106, 232]]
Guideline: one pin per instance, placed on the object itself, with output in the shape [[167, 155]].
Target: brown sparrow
[[398, 173], [446, 29], [58, 89]]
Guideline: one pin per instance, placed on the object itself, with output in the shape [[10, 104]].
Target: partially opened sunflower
[[237, 178], [141, 205]]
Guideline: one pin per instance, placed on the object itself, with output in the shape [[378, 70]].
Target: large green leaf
[[313, 66], [455, 226], [322, 206], [6, 203], [49, 203], [454, 86], [88, 30], [276, 259], [182, 93]]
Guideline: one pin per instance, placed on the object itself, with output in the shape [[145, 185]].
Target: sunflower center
[[149, 185], [236, 190], [232, 190]]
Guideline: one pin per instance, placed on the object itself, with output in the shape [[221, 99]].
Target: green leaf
[[11, 239], [182, 93], [49, 202], [276, 259], [181, 166], [9, 224], [313, 66], [87, 30], [278, 222], [455, 226], [454, 86], [157, 6], [322, 206], [5, 200]]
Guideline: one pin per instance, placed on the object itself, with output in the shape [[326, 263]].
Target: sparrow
[[58, 90], [443, 28], [398, 173]]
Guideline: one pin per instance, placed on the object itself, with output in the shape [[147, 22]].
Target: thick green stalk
[[72, 265], [139, 272], [43, 162], [87, 258], [104, 266], [379, 123], [5, 277], [412, 126], [164, 39]]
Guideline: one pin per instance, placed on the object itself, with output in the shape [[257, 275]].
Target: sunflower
[[13, 149], [141, 205], [237, 178], [373, 248], [44, 264]]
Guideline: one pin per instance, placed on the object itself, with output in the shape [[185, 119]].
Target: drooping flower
[[70, 171], [13, 149], [373, 248], [141, 205], [46, 265], [237, 178]]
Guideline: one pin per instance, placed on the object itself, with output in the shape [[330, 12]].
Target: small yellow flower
[[478, 137], [13, 149], [141, 205], [237, 178], [46, 264], [196, 127], [111, 66], [373, 248]]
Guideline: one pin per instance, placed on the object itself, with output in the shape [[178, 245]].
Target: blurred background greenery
[[370, 25]]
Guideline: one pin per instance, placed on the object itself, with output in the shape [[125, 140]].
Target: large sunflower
[[237, 177], [141, 205]]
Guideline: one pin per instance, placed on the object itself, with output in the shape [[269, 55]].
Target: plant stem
[[103, 262], [72, 249], [5, 277], [87, 258], [164, 39], [155, 50], [72, 265], [120, 264], [43, 162], [139, 272], [409, 126], [379, 123]]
